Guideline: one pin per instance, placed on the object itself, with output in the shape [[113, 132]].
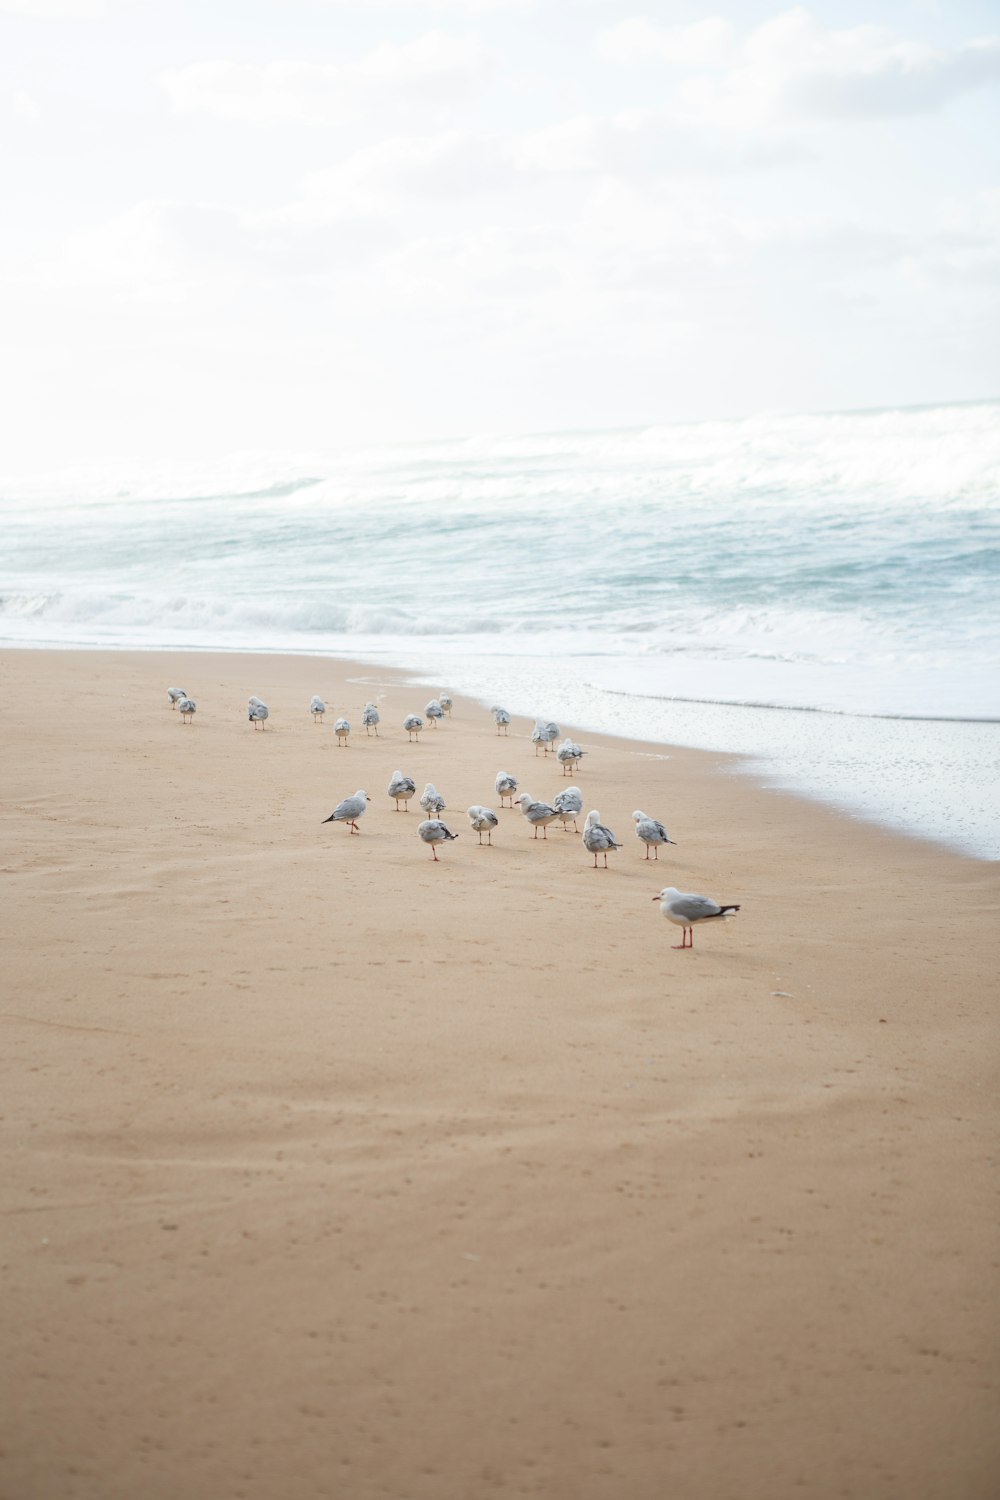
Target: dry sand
[[329, 1171]]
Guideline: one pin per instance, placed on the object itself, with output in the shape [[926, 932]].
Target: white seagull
[[501, 718], [431, 800], [483, 820], [175, 695], [256, 712], [433, 831], [569, 756], [538, 814], [652, 833], [349, 811], [186, 707], [369, 719], [506, 786], [317, 708], [567, 804], [342, 730], [413, 724], [445, 701], [434, 712], [597, 839], [401, 789], [685, 909]]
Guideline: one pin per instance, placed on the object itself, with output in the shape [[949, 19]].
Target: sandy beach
[[332, 1171]]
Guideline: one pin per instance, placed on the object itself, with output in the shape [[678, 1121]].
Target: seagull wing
[[694, 908]]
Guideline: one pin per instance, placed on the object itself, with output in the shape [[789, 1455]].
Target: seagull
[[369, 719], [342, 729], [506, 786], [434, 712], [175, 695], [684, 909], [483, 820], [445, 701], [433, 831], [401, 789], [652, 833], [567, 804], [349, 811], [538, 814], [501, 718], [431, 800], [543, 734], [186, 707], [569, 756], [413, 724], [317, 708], [256, 712], [598, 839]]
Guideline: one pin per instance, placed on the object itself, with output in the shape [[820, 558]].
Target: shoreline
[[329, 1169], [929, 778]]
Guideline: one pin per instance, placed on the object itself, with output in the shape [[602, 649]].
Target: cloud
[[468, 7], [794, 67], [436, 66], [24, 106], [68, 10], [138, 252], [696, 45], [642, 143], [452, 164]]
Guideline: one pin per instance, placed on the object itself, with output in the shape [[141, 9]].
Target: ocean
[[816, 593]]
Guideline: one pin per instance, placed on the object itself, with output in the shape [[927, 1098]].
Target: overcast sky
[[289, 224]]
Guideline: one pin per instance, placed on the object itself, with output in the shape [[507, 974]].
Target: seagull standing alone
[[433, 831], [413, 724], [256, 712], [483, 820], [342, 730], [652, 833], [501, 718], [317, 708], [598, 839], [369, 719], [684, 909], [349, 811], [506, 786]]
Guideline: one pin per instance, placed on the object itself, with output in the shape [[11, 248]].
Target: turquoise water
[[793, 588]]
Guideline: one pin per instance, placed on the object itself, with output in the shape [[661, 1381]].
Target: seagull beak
[[657, 896]]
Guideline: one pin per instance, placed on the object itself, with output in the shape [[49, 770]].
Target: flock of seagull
[[684, 909]]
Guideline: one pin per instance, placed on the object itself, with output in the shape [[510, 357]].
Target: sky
[[287, 225]]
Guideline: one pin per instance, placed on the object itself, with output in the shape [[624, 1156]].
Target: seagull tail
[[331, 819], [725, 910]]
